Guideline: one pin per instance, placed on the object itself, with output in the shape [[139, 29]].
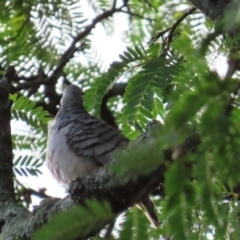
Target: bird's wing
[[94, 139]]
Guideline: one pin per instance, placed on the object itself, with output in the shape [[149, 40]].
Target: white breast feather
[[64, 164]]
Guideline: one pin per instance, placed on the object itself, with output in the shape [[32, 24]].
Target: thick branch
[[106, 186], [6, 164], [212, 9], [16, 222]]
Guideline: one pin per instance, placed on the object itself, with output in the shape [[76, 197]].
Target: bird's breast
[[63, 163]]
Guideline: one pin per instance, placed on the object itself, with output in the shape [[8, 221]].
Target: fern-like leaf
[[135, 225], [25, 166], [93, 97], [144, 93], [76, 222], [25, 110]]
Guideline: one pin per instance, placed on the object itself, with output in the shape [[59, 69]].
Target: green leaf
[[75, 222]]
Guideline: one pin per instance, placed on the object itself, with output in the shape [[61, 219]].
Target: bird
[[79, 143]]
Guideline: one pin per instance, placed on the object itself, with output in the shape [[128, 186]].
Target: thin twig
[[20, 29], [68, 54], [160, 34], [110, 227], [137, 15], [114, 4], [172, 28], [175, 25], [150, 5], [9, 73]]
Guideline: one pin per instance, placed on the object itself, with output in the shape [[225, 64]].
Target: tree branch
[[212, 9], [132, 14], [175, 25], [106, 114], [102, 185], [6, 164], [68, 54], [172, 28]]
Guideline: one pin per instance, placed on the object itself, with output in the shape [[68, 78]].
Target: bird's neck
[[68, 110]]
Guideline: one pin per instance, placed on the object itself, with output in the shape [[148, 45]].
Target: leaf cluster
[[23, 109]]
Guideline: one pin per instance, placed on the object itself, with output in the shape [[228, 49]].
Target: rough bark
[[214, 9], [6, 173], [18, 223]]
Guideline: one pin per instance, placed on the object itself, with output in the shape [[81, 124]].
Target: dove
[[79, 143]]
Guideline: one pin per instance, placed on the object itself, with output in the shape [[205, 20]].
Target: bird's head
[[72, 98]]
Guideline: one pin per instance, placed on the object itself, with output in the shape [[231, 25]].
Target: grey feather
[[96, 139]]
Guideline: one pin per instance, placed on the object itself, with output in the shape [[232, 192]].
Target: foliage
[[169, 76], [76, 221], [105, 82], [135, 225], [27, 166], [23, 109]]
